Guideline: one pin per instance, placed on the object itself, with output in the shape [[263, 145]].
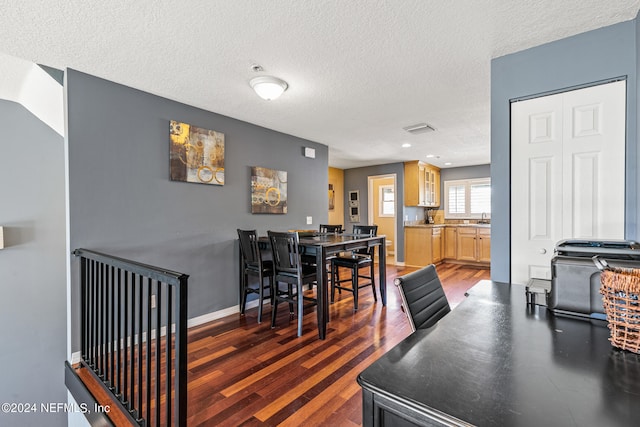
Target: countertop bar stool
[[423, 298], [354, 261], [289, 269], [254, 265]]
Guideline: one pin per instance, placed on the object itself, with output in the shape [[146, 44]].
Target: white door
[[567, 173]]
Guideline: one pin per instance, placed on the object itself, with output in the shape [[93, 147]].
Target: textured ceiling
[[358, 71]]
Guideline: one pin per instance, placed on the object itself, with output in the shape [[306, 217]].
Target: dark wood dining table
[[323, 246], [497, 361], [327, 245]]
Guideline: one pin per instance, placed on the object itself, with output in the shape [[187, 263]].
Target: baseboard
[[209, 317]]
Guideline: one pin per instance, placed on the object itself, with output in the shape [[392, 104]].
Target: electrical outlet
[[309, 220], [153, 301]]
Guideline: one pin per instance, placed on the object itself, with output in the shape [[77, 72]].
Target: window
[[387, 201], [468, 198]]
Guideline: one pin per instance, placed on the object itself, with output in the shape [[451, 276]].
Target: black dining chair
[[423, 298], [289, 269], [354, 261], [310, 257], [253, 264], [330, 228]]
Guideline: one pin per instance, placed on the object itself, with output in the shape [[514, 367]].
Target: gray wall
[[594, 56], [32, 266], [123, 203], [357, 179], [464, 172]]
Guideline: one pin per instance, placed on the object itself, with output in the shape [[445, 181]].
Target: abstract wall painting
[[268, 191], [196, 154]]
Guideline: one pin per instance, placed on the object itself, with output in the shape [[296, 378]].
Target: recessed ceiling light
[[406, 145], [430, 156], [447, 163]]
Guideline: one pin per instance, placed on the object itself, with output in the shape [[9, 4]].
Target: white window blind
[[468, 198], [456, 201]]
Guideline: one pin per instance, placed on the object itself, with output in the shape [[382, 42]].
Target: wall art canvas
[[196, 154], [268, 191]]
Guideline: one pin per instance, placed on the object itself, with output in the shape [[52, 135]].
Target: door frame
[[370, 180], [556, 92]]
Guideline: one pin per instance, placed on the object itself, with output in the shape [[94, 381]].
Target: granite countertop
[[446, 225]]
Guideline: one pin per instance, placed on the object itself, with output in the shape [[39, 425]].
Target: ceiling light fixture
[[406, 145], [268, 87]]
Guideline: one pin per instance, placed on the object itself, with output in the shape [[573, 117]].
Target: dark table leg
[[382, 266], [323, 292]]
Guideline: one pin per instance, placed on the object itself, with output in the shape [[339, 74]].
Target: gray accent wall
[[463, 172], [596, 56], [358, 179], [122, 202], [32, 266]]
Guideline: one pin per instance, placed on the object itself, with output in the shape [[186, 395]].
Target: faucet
[[484, 218]]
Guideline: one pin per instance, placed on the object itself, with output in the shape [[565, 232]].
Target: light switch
[[309, 220]]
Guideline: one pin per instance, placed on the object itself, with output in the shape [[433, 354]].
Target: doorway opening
[[383, 210]]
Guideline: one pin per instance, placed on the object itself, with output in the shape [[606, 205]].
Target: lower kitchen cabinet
[[417, 246], [473, 244], [451, 242], [426, 245], [436, 245]]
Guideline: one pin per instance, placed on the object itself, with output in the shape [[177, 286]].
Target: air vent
[[419, 128]]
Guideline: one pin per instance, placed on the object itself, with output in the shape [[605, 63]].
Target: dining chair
[[330, 228], [354, 261], [309, 257], [423, 298], [253, 264], [289, 269]]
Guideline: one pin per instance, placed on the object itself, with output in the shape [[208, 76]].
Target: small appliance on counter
[[575, 279]]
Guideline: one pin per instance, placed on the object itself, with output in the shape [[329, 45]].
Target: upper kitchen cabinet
[[421, 184]]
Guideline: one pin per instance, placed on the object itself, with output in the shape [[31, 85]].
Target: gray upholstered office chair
[[254, 265], [289, 269], [423, 299]]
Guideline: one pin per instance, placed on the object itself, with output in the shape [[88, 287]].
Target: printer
[[575, 279]]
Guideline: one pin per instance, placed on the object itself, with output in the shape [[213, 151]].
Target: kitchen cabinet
[[418, 246], [473, 244], [436, 245], [421, 184], [451, 242], [432, 185], [484, 245]]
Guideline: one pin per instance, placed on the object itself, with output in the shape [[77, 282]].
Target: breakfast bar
[[497, 361]]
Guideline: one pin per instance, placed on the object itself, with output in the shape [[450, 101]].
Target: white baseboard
[[197, 321]]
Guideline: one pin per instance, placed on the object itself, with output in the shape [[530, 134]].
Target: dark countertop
[[494, 361]]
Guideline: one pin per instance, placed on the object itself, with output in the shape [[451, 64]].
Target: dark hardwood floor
[[245, 373]]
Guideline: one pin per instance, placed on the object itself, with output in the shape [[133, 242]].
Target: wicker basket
[[620, 289]]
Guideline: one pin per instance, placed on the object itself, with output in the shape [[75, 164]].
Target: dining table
[[323, 246], [326, 245], [496, 360]]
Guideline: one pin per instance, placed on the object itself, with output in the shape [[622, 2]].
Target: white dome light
[[268, 87]]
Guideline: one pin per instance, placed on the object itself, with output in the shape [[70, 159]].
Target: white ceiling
[[358, 70]]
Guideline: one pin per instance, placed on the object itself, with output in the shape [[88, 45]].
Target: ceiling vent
[[419, 128]]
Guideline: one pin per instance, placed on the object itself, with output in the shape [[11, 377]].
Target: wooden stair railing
[[133, 334]]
